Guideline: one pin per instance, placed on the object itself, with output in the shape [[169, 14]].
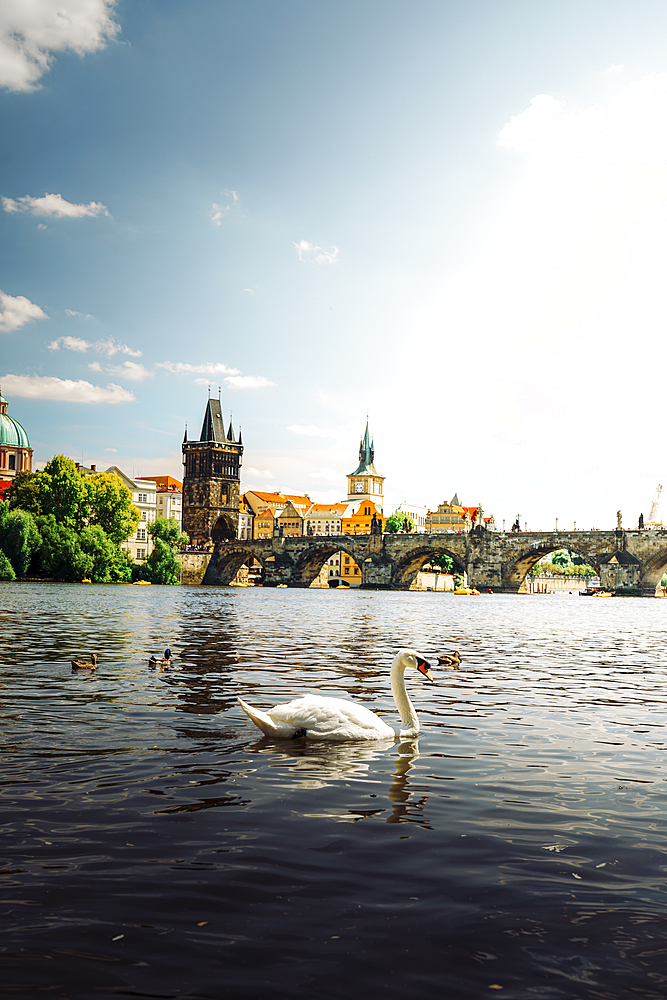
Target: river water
[[154, 844]]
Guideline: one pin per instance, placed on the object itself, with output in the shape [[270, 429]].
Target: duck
[[156, 661], [85, 664], [450, 661], [318, 718]]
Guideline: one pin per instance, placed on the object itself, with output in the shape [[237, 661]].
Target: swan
[[85, 664], [319, 718], [155, 662], [450, 661]]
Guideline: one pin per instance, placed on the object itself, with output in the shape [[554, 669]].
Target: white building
[[144, 496], [169, 496], [324, 519]]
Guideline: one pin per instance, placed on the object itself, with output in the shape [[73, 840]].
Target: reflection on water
[[152, 846]]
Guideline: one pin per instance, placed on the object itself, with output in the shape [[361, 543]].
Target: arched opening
[[547, 569], [226, 567], [654, 576], [323, 566], [223, 530], [431, 567]]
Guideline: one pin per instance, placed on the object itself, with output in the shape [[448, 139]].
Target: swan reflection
[[316, 765]]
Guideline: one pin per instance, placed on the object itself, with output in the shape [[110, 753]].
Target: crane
[[653, 515]]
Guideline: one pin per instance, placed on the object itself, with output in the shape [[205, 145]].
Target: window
[[347, 570], [141, 553], [12, 462], [141, 534], [144, 515], [356, 570], [347, 559]]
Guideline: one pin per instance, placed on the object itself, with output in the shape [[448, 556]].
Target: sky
[[448, 216]]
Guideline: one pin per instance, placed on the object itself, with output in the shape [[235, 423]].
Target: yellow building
[[263, 524], [359, 518], [290, 521]]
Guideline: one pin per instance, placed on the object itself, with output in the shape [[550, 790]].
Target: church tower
[[211, 480], [366, 483]]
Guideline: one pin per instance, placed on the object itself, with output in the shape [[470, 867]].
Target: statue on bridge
[[641, 522], [376, 525], [619, 520], [516, 526]]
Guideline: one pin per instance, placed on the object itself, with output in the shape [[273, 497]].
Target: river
[[155, 845]]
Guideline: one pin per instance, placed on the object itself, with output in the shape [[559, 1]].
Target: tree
[[110, 563], [111, 506], [445, 562], [19, 539], [6, 569], [64, 493], [61, 555], [163, 565], [561, 557], [398, 521], [24, 493]]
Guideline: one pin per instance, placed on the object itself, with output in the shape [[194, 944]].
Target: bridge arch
[[516, 570], [223, 530], [652, 572], [409, 562], [227, 560], [313, 558]]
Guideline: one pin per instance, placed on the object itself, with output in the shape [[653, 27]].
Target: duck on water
[[319, 718]]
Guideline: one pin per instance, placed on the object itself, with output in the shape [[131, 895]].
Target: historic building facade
[[15, 450], [366, 483], [211, 480]]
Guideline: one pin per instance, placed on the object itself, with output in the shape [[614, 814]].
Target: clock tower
[[365, 483]]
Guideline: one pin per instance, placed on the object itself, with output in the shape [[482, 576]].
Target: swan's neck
[[405, 707]]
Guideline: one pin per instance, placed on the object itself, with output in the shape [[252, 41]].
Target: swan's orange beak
[[422, 667]]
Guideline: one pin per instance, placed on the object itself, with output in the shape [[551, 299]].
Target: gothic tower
[[366, 483], [211, 479]]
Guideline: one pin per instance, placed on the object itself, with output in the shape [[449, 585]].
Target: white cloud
[[615, 68], [218, 212], [69, 344], [111, 449], [248, 382], [307, 252], [257, 473], [208, 368], [131, 370], [64, 390], [95, 366], [16, 311], [73, 312], [330, 475], [53, 204], [249, 291], [311, 430], [108, 347], [31, 32]]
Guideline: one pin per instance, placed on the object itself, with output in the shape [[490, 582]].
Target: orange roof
[[280, 497], [326, 508], [266, 513], [165, 484]]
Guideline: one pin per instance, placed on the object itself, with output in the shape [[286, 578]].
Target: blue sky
[[448, 215]]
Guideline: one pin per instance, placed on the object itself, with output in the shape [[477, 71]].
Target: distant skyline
[[449, 216]]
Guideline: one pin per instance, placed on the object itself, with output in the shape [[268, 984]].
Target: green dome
[[11, 432]]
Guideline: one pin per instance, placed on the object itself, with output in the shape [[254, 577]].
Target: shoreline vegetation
[[62, 525]]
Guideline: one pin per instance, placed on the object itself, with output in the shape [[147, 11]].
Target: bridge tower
[[366, 483], [211, 480]]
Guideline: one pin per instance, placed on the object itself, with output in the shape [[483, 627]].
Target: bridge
[[628, 562]]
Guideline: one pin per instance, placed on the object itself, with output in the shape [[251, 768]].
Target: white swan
[[319, 718]]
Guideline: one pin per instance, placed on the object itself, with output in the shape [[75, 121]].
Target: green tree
[[64, 493], [6, 569], [110, 563], [397, 522], [163, 565], [561, 558], [61, 554], [19, 539], [111, 506], [445, 563], [24, 493]]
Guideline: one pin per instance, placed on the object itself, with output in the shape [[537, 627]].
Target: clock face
[[358, 487]]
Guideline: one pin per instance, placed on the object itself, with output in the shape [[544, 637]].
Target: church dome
[[11, 432]]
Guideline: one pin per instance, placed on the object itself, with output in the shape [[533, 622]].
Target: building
[[246, 519], [289, 521], [169, 496], [15, 450], [456, 517], [349, 571], [259, 502], [418, 515], [211, 480], [366, 483], [358, 518], [144, 493], [324, 519], [263, 523]]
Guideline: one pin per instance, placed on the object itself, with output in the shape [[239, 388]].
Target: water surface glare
[[154, 844]]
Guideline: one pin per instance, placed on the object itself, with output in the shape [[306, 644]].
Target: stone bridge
[[628, 562]]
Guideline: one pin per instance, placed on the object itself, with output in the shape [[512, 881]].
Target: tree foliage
[[111, 506], [19, 539], [6, 568], [64, 493], [60, 554], [24, 493], [163, 564], [110, 563], [398, 521]]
